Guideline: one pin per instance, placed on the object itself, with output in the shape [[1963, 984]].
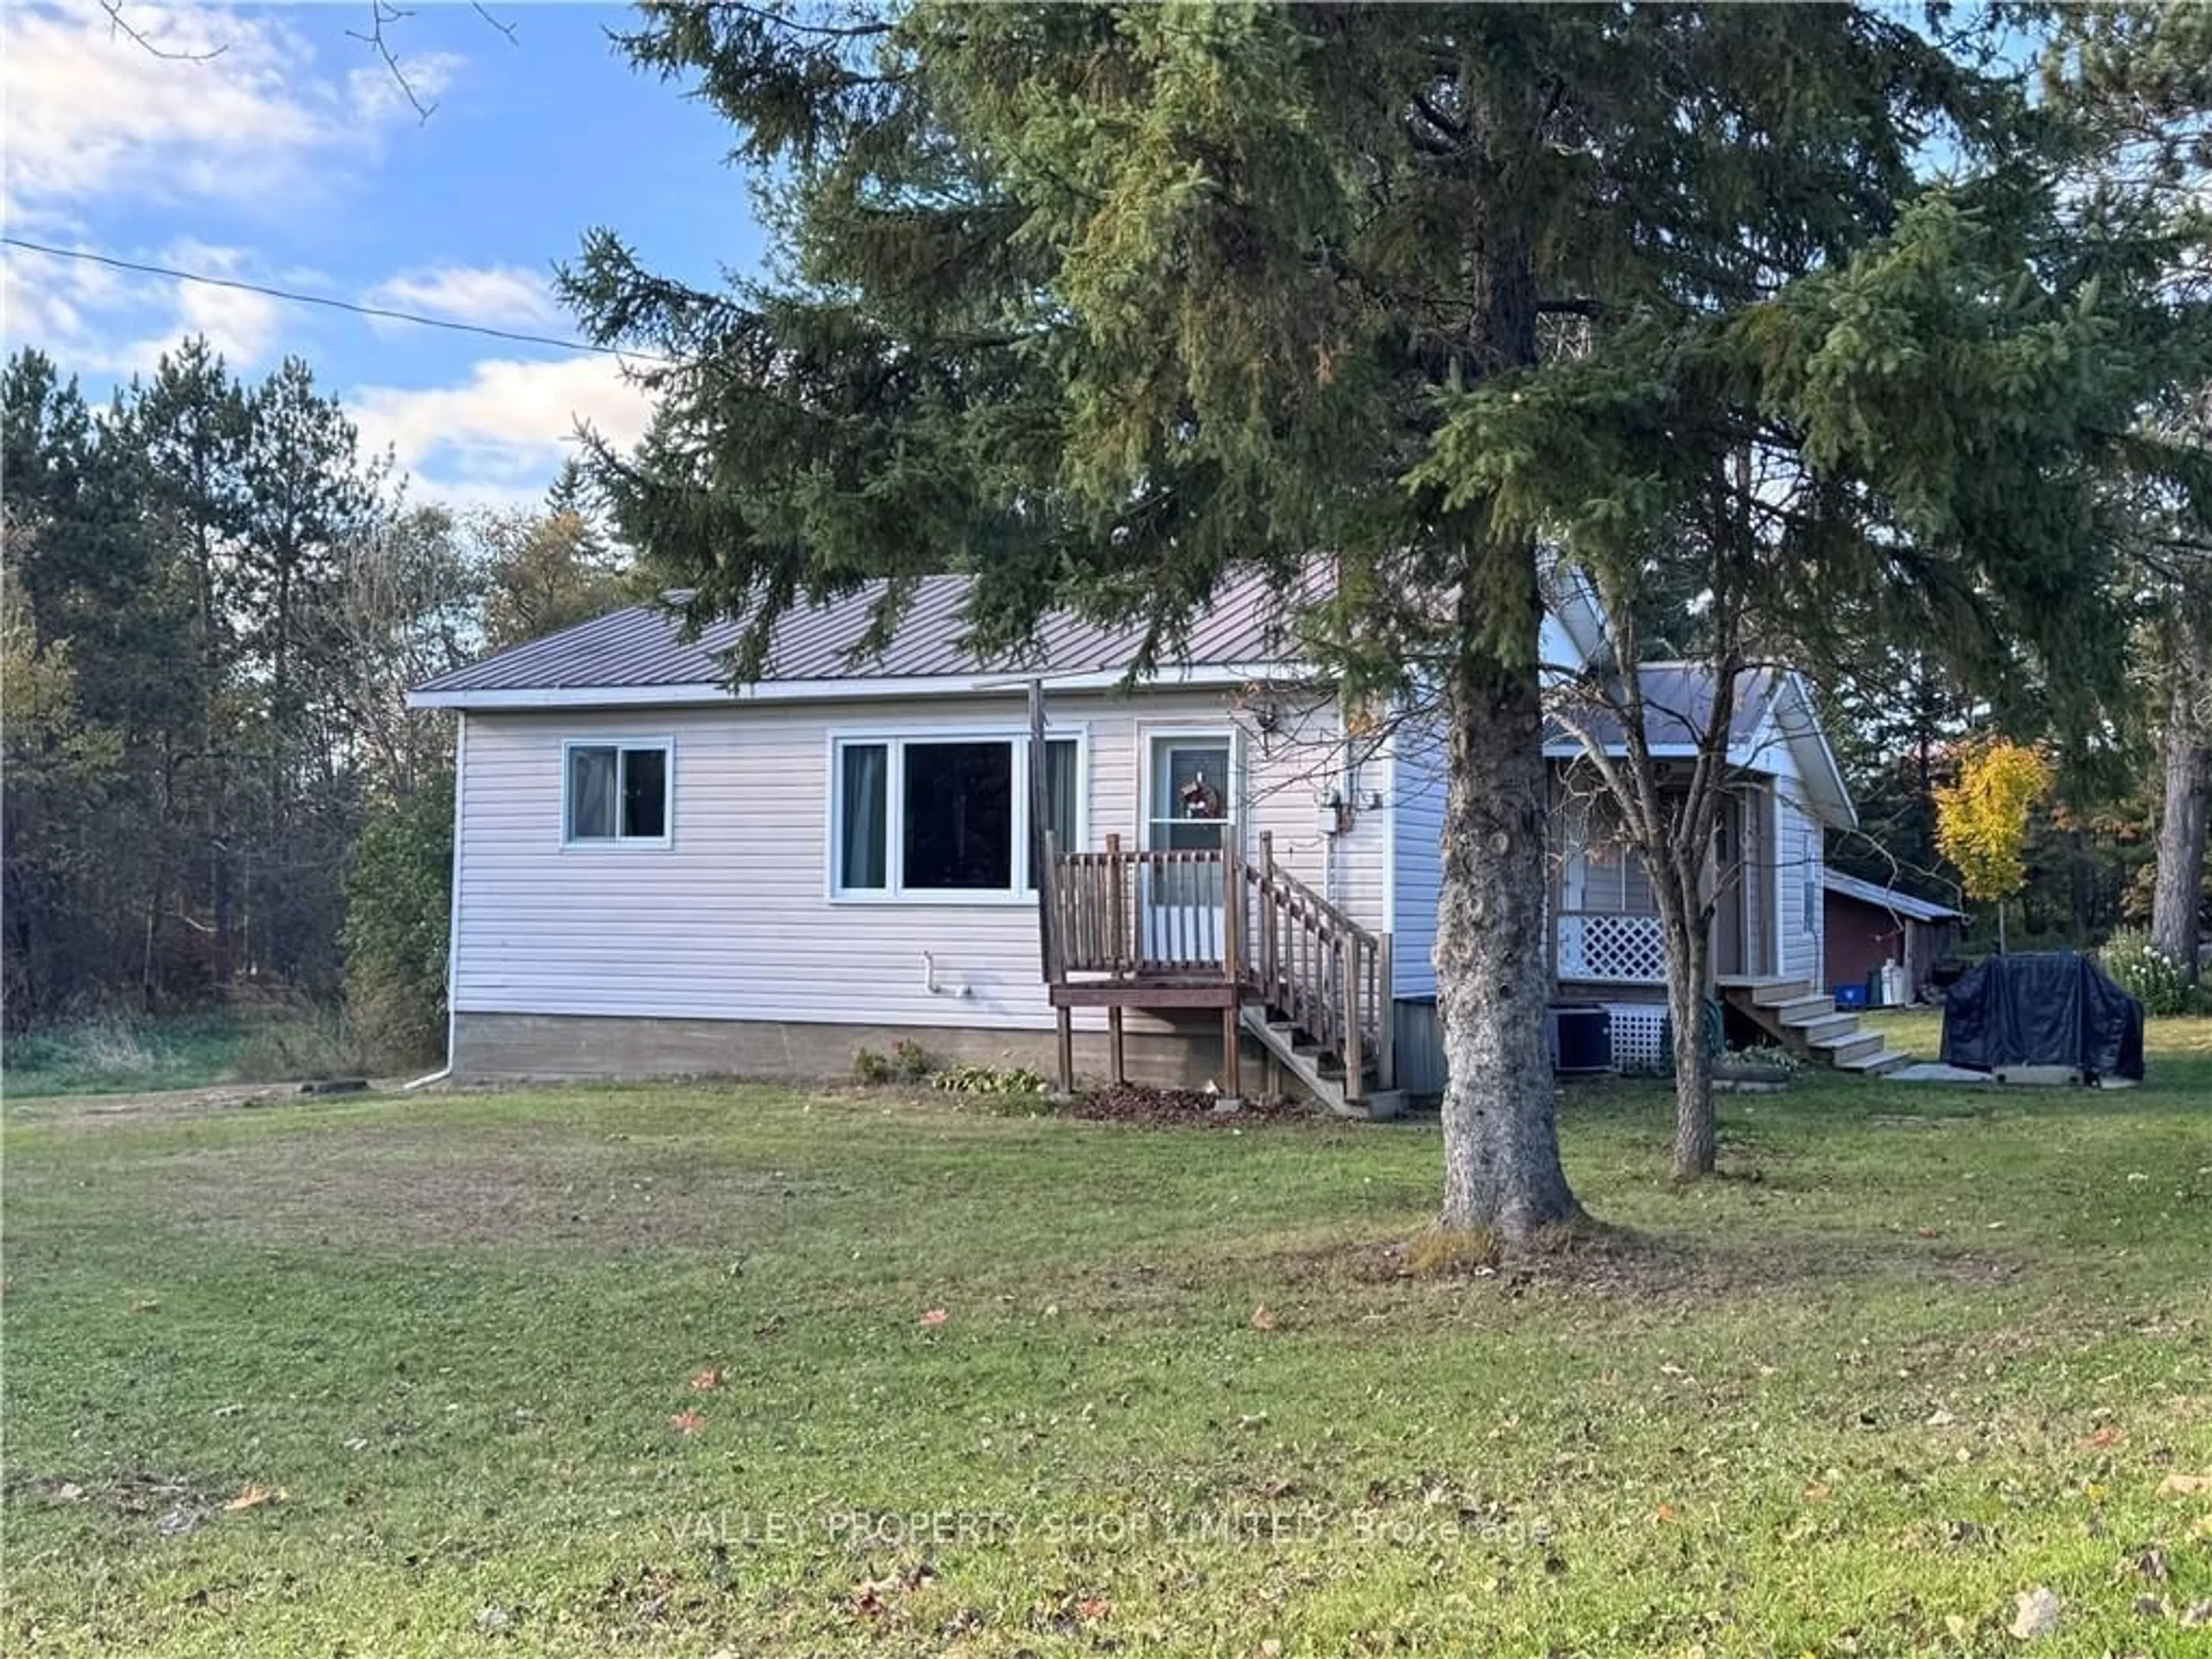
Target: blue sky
[[292, 159]]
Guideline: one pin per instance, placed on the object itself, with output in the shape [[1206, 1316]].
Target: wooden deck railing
[[1139, 916], [1320, 969]]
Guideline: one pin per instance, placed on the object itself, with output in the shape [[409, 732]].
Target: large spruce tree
[[1103, 302]]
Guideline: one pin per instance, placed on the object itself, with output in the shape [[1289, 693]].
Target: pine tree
[[1101, 302]]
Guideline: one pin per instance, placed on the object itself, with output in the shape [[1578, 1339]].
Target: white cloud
[[375, 93], [499, 436], [94, 116], [499, 296], [96, 319]]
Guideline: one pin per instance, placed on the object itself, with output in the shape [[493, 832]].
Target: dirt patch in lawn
[[419, 1185]]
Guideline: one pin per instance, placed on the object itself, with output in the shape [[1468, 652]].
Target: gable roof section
[[1772, 728], [1887, 898], [640, 655]]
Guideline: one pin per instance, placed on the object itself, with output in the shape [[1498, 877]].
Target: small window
[[618, 793]]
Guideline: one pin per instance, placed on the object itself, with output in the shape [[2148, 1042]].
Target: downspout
[[454, 915]]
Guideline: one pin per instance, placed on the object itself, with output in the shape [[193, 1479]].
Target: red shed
[[1868, 926]]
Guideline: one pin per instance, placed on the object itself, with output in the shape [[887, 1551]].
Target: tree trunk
[[1501, 1143], [2178, 896], [1689, 960]]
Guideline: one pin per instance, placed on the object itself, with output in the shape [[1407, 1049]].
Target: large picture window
[[944, 815], [615, 793]]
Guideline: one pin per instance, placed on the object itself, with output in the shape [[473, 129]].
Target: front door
[[1189, 797]]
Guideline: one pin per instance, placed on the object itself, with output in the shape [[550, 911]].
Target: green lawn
[[1919, 1351]]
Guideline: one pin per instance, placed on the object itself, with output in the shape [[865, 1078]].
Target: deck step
[[1802, 1010], [1882, 1060], [1775, 993], [1318, 1072], [1849, 1046], [1830, 1024]]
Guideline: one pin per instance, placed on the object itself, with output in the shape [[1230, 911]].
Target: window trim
[[895, 741], [618, 841]]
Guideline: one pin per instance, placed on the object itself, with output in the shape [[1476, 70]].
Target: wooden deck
[[1187, 930]]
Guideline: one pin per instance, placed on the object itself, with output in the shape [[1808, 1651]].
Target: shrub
[[2148, 974], [315, 1044], [399, 895], [908, 1062], [989, 1080]]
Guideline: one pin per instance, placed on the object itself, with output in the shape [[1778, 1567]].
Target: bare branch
[[381, 12], [506, 29], [118, 24]]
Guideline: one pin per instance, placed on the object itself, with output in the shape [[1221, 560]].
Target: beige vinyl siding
[[732, 919]]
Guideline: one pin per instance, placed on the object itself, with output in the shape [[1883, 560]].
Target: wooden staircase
[[1808, 1024]]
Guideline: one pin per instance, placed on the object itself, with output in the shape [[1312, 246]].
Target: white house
[[655, 874]]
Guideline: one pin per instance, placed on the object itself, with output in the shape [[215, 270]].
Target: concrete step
[[1383, 1104], [1876, 1064]]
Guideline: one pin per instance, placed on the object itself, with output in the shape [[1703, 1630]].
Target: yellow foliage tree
[[1981, 821]]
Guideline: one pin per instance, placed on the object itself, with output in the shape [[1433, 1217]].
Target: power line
[[383, 312]]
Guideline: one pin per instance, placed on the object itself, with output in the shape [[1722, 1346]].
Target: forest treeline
[[213, 601]]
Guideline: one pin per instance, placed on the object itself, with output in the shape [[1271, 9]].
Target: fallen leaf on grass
[[687, 1422], [145, 1305], [1263, 1318], [703, 1381], [1817, 1494], [933, 1318], [1668, 1512], [2181, 1486], [252, 1497]]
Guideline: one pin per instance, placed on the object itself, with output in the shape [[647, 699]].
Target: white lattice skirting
[[1600, 949], [1638, 1028]]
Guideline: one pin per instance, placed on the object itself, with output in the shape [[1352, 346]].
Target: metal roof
[[1888, 898], [644, 645], [1678, 701]]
